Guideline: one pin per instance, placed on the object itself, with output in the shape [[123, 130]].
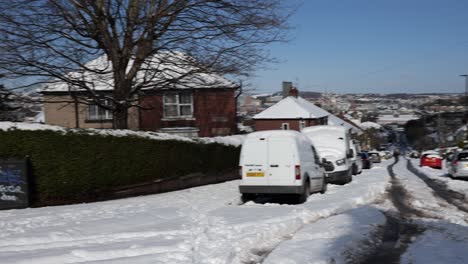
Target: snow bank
[[28, 126], [235, 140], [333, 240]]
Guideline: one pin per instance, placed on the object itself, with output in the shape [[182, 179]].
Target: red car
[[431, 159]]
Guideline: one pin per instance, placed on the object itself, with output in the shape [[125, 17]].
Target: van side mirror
[[350, 154], [327, 165]]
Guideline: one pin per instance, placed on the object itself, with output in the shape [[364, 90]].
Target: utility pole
[[465, 112]]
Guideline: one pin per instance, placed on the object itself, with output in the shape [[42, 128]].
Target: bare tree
[[144, 44]]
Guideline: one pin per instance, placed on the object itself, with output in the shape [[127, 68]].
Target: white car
[[279, 162]]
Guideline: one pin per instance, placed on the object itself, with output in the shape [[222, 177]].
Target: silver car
[[457, 164]]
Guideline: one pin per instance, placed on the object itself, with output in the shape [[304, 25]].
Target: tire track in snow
[[441, 190], [399, 230]]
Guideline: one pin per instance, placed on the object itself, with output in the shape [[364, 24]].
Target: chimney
[[293, 92], [286, 87]]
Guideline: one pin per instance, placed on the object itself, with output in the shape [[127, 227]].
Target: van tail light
[[297, 171], [455, 162], [240, 171]]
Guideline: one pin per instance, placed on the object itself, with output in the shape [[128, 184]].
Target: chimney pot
[[293, 92]]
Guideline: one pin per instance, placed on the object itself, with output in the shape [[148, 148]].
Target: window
[[178, 105], [285, 126], [96, 112], [302, 124]]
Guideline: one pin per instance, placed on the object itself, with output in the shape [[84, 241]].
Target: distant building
[[291, 113]]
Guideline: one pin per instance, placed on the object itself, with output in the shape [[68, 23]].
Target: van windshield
[[325, 142]]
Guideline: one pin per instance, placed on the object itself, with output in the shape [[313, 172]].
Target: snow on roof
[[176, 66], [268, 133], [369, 125], [292, 108], [336, 121], [260, 95], [396, 118], [324, 129], [235, 140]]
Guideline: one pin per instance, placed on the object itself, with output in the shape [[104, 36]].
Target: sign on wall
[[14, 189]]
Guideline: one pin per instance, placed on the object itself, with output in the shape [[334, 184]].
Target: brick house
[[291, 113], [203, 106]]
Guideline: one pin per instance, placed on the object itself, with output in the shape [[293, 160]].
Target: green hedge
[[78, 166]]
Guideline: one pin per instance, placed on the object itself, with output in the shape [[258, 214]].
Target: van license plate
[[255, 174]]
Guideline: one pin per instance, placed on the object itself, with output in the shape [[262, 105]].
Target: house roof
[[369, 125], [157, 71], [292, 108]]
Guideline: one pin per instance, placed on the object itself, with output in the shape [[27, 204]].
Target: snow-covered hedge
[[73, 166]]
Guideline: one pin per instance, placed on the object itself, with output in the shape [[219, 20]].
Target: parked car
[[279, 162], [356, 159], [386, 155], [375, 157], [415, 154], [431, 159], [333, 144], [366, 162], [457, 164]]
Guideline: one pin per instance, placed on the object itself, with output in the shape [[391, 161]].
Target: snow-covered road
[[209, 224], [199, 225]]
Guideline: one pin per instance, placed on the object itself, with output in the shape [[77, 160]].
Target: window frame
[[104, 116], [178, 105], [283, 125]]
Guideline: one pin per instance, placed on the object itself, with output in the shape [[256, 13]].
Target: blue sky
[[367, 46]]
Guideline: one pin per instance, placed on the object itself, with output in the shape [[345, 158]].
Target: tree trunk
[[121, 90], [120, 117]]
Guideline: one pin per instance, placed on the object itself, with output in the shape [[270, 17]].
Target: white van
[[356, 159], [333, 144], [279, 162]]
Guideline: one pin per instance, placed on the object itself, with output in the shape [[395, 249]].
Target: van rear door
[[282, 156], [254, 162]]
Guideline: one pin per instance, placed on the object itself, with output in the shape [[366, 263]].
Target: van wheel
[[324, 187], [305, 193], [245, 197], [348, 179]]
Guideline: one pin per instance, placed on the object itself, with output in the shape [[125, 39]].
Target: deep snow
[[199, 225]]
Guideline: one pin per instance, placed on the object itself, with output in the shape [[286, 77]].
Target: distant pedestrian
[[396, 153]]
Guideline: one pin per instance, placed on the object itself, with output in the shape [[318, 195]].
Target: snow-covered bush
[[73, 166]]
